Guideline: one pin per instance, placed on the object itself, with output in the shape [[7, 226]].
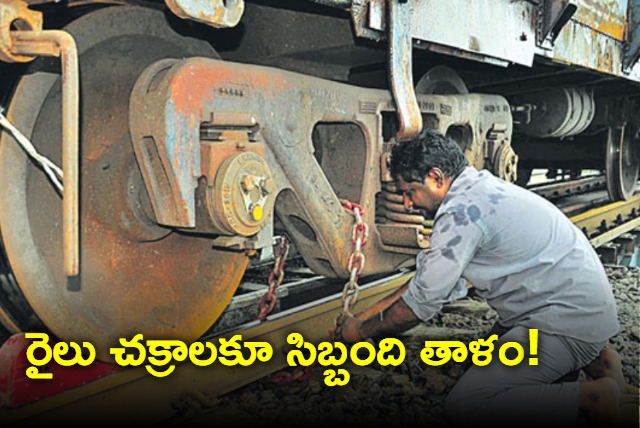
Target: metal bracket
[[555, 15], [215, 13], [400, 70], [22, 45], [58, 43], [16, 14]]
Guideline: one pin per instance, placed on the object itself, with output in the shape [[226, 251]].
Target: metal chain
[[268, 301], [356, 259]]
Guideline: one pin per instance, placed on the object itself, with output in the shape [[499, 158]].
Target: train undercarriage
[[196, 145]]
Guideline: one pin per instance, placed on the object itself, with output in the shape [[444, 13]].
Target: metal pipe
[[61, 44], [400, 58]]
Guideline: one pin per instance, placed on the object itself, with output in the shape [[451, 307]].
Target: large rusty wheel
[[136, 277], [622, 162]]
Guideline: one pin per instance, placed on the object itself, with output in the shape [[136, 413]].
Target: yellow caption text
[[158, 356]]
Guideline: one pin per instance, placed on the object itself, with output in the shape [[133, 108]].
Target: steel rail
[[606, 223], [568, 188]]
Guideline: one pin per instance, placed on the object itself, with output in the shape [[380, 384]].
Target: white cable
[[52, 170]]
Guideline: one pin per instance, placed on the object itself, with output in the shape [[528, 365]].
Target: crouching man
[[533, 266]]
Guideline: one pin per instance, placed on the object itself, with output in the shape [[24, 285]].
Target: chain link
[[356, 259], [268, 301]]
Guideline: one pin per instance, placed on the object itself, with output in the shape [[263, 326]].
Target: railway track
[[136, 396], [612, 228], [307, 306], [563, 189]]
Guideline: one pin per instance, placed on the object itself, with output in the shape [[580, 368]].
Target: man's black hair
[[412, 160]]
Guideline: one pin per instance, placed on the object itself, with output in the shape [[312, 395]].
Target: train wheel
[[622, 162], [441, 80], [136, 277]]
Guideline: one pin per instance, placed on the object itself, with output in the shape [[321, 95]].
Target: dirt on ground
[[413, 393]]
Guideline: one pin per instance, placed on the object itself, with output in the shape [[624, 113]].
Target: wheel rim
[[622, 163], [135, 276], [441, 80]]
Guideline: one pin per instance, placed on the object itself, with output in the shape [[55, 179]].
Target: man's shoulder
[[481, 197], [471, 179], [469, 188]]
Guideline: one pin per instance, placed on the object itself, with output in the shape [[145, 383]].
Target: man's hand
[[347, 329]]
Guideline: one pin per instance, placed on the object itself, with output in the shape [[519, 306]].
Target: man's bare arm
[[388, 317], [395, 319], [383, 304]]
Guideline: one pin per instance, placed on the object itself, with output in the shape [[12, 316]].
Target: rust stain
[[599, 61], [605, 60], [194, 85], [602, 17], [608, 59], [96, 152]]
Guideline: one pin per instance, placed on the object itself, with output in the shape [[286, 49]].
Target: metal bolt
[[256, 212], [247, 183]]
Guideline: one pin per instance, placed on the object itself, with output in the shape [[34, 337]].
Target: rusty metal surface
[[400, 70], [136, 276], [580, 45], [604, 16], [596, 38], [216, 13], [64, 46], [307, 205], [368, 19], [399, 235], [16, 13], [176, 160]]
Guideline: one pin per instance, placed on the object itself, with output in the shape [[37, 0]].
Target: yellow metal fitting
[[257, 212]]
